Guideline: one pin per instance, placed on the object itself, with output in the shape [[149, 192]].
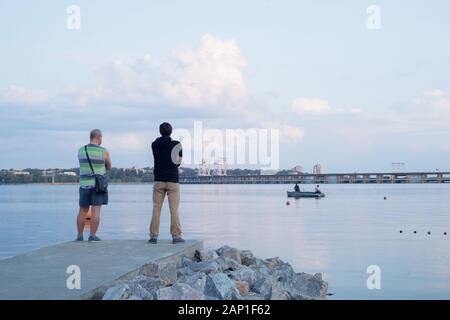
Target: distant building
[[21, 173], [298, 169], [268, 172], [318, 169], [70, 173], [48, 173]]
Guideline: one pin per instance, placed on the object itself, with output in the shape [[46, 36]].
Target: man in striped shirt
[[94, 160]]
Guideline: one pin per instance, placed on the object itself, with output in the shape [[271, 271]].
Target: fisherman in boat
[[317, 189], [296, 188]]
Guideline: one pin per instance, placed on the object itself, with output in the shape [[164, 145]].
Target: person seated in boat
[[317, 189], [296, 188]]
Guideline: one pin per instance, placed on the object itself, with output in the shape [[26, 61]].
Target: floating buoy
[[445, 233], [288, 203], [385, 198], [401, 231], [415, 231], [429, 232]]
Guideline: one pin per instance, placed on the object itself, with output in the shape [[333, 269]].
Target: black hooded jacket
[[165, 169]]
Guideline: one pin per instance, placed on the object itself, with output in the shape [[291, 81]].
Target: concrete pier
[[42, 274]]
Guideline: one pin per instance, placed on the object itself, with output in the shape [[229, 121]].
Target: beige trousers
[[173, 194]]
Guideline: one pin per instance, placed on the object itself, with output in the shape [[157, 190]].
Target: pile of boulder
[[223, 274]]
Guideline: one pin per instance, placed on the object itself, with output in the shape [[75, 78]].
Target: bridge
[[332, 178]]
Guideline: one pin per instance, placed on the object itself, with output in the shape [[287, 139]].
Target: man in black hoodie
[[167, 154]]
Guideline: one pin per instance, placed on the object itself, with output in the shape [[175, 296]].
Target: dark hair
[[165, 129]]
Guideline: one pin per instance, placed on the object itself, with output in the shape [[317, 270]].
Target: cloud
[[310, 105], [210, 75], [291, 133], [18, 96]]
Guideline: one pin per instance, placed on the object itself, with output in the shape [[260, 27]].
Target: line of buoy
[[429, 232]]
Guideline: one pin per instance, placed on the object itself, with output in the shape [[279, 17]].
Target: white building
[[21, 173], [70, 173], [318, 169], [298, 169]]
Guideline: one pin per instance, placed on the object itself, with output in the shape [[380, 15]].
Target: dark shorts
[[89, 197]]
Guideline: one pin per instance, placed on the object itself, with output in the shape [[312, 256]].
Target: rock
[[227, 264], [140, 293], [196, 281], [247, 258], [166, 293], [279, 292], [186, 262], [184, 272], [180, 291], [166, 272], [284, 273], [120, 291], [263, 286], [252, 296], [307, 286], [261, 271], [244, 273], [228, 252], [206, 255], [273, 263], [209, 266], [219, 286], [150, 284], [243, 287]]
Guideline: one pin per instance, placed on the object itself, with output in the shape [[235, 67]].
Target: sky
[[345, 86]]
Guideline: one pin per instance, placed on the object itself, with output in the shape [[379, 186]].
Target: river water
[[341, 235]]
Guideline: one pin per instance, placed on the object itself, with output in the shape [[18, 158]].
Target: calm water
[[340, 235]]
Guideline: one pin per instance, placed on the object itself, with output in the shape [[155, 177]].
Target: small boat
[[303, 194]]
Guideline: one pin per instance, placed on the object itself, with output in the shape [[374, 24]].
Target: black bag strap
[[89, 160]]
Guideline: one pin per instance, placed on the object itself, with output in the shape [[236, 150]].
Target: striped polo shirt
[[96, 154]]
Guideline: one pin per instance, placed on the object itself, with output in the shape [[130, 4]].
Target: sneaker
[[80, 238], [177, 240], [153, 240], [94, 238]]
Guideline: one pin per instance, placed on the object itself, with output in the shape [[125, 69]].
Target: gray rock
[[243, 287], [283, 273], [166, 272], [244, 273], [227, 264], [228, 252], [306, 286], [206, 255], [140, 293], [273, 263], [219, 286], [209, 266], [263, 287], [261, 271], [279, 292], [247, 258], [184, 272], [186, 262], [120, 291], [148, 283], [196, 281], [252, 296], [180, 291]]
